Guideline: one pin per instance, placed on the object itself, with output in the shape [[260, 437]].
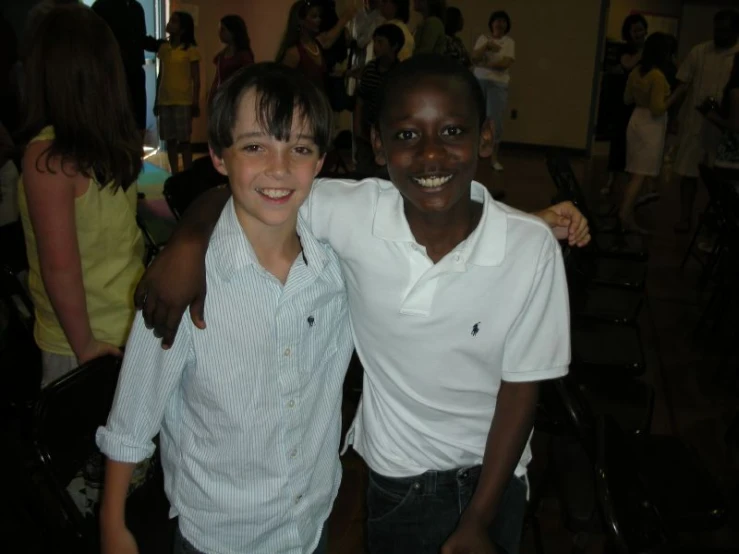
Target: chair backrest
[[181, 189], [630, 520], [18, 351], [68, 414], [568, 188]]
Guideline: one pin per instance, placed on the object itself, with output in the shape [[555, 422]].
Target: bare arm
[[115, 536], [501, 64], [51, 207], [328, 38], [291, 57]]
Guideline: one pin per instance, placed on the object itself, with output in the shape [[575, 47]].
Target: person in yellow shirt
[[178, 89], [646, 87], [77, 194], [398, 12]]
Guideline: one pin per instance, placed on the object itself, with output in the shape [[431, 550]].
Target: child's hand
[[568, 223], [196, 110], [118, 540], [98, 349]]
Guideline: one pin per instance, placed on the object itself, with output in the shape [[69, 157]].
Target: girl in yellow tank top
[[77, 193]]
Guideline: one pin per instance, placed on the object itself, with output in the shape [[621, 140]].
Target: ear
[[218, 162], [487, 139], [379, 151], [319, 165]]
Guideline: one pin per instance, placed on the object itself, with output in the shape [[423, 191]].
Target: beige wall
[[552, 79], [265, 20], [619, 9]]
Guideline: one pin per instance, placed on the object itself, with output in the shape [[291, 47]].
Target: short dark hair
[[393, 34], [656, 53], [280, 91], [402, 10], [500, 14], [629, 22], [732, 16], [428, 65], [452, 21]]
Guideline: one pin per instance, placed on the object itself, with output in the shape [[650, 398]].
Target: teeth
[[274, 193], [432, 182]]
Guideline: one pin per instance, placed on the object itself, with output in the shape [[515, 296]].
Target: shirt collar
[[485, 246], [233, 252]]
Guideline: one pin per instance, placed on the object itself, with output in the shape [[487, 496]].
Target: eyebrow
[[260, 134]]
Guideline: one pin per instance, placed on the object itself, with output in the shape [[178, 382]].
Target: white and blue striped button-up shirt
[[249, 408]]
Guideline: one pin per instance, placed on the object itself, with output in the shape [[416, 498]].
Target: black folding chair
[[182, 189]]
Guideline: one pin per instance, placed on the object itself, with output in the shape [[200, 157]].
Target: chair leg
[[694, 239]]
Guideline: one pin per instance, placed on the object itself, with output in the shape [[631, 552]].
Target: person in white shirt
[[458, 307], [492, 57], [702, 75]]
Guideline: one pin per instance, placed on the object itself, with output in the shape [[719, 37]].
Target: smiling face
[[173, 25], [430, 138], [269, 178], [225, 35]]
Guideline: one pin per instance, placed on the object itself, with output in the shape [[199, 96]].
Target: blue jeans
[[417, 514], [183, 546], [496, 102]]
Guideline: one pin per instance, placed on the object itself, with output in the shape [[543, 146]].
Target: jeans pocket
[[385, 498]]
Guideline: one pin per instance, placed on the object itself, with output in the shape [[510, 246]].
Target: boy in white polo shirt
[[458, 307]]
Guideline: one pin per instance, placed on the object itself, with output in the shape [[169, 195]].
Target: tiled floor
[[694, 400]]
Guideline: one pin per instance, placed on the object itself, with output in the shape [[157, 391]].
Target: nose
[[432, 149], [278, 165]]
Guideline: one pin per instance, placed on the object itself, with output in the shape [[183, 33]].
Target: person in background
[[127, 20], [237, 52], [492, 57], [702, 75], [398, 12], [303, 43], [388, 41], [647, 89], [9, 89], [430, 36], [726, 117], [633, 32], [363, 28], [178, 89], [77, 195], [454, 23]]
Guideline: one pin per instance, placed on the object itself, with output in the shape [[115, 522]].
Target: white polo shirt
[[437, 339]]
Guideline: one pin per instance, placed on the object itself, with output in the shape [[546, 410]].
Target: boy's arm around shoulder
[[567, 222], [147, 381], [176, 277]]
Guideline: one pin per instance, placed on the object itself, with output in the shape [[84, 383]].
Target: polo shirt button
[[416, 486], [287, 351], [298, 498], [293, 452], [464, 475], [457, 258], [291, 404]]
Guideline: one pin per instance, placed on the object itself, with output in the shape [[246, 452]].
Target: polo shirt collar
[[484, 247], [233, 252]]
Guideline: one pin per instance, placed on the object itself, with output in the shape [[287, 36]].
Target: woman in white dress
[[647, 87], [492, 57]]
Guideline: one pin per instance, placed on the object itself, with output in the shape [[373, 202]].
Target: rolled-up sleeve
[[148, 379]]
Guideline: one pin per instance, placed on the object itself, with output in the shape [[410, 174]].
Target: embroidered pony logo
[[475, 329]]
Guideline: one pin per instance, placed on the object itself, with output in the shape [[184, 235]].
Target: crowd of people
[[697, 100], [439, 288]]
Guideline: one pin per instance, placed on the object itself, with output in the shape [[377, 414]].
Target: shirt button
[[287, 351], [291, 404], [457, 258], [293, 452], [298, 498]]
